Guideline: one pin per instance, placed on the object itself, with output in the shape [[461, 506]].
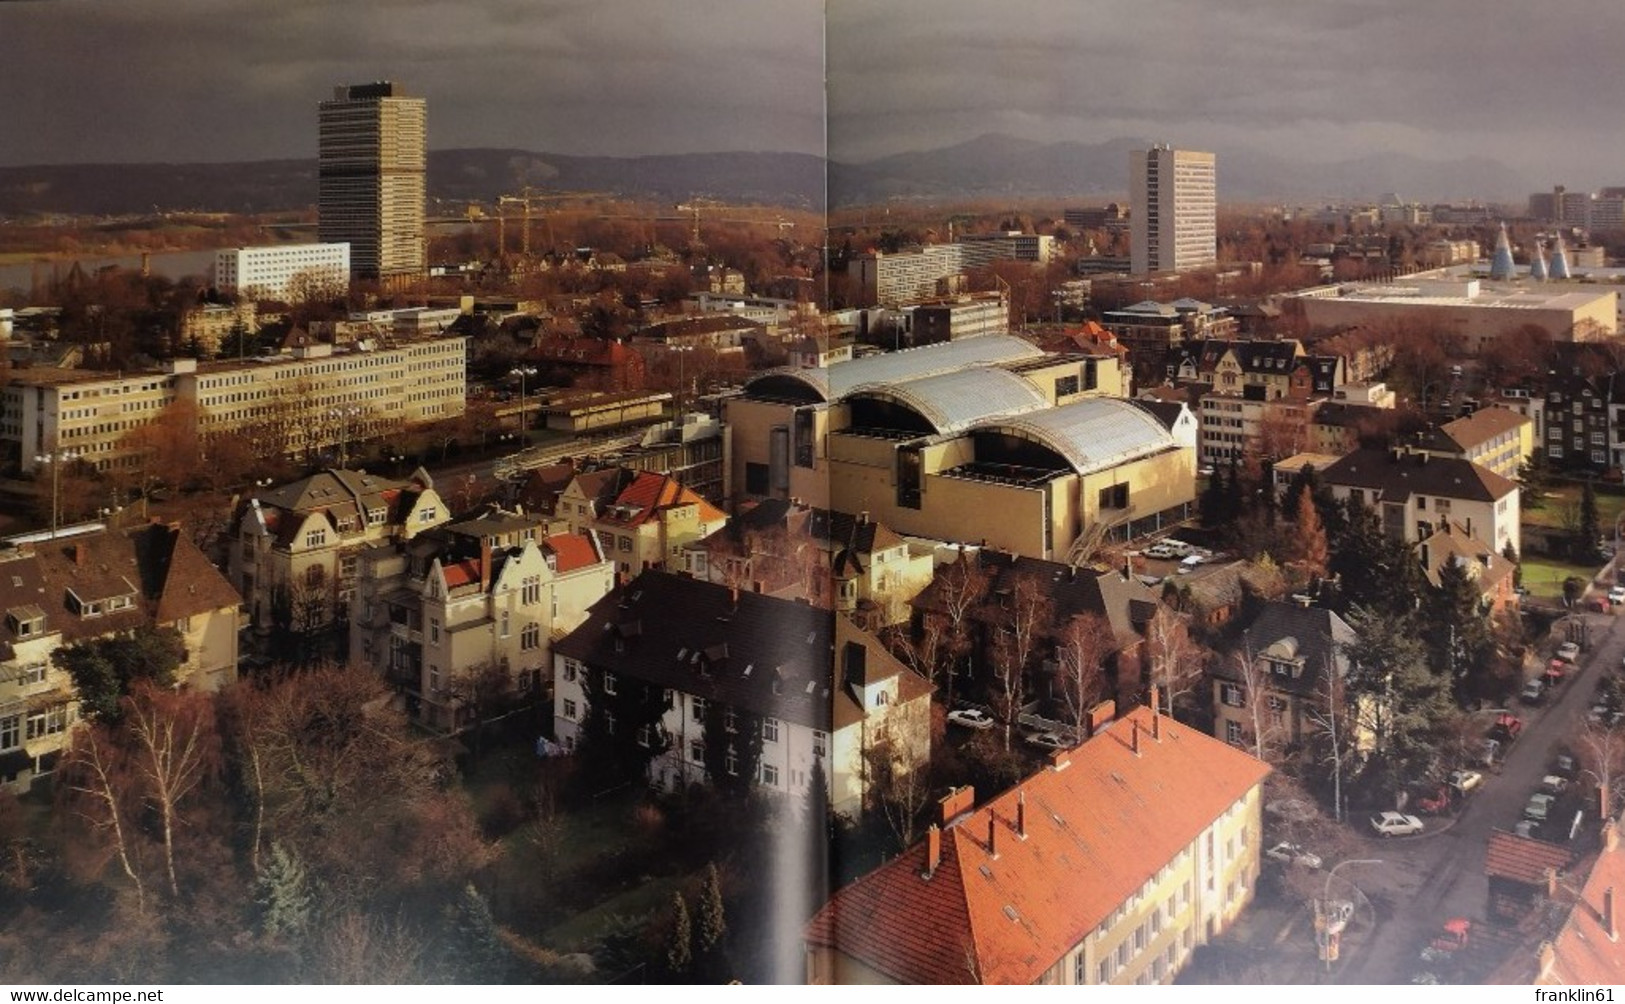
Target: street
[[1440, 874]]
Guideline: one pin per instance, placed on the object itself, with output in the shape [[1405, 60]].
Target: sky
[[1533, 85]]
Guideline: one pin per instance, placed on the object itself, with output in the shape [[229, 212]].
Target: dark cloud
[[94, 80], [1530, 84]]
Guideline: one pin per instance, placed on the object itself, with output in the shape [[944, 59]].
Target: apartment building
[[1109, 866], [1173, 199], [463, 616], [90, 582], [290, 273], [817, 690], [1415, 493], [1497, 438], [929, 272], [310, 398], [294, 550]]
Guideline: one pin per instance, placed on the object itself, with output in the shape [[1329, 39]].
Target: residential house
[[643, 519], [820, 690], [1521, 873], [88, 583], [1292, 650], [465, 614], [1414, 493], [1572, 929], [1496, 438], [294, 548], [850, 563], [1492, 573], [1110, 865]]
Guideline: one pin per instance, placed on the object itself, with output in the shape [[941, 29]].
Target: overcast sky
[[1534, 85]]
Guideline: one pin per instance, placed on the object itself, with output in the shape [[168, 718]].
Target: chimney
[[1608, 914], [1134, 736], [1610, 835], [1156, 725], [1547, 957], [733, 597], [1021, 814], [933, 850], [80, 554], [863, 518], [1551, 883], [485, 564], [955, 802], [1156, 698], [992, 835]]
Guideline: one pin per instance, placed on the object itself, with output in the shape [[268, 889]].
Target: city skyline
[[1316, 82]]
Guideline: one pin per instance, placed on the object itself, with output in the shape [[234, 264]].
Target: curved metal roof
[[842, 378], [1092, 434], [953, 402]]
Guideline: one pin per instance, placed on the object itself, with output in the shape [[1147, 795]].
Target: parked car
[[1565, 766], [1395, 824], [1465, 781], [970, 718], [1552, 784], [1161, 551], [1506, 728], [1433, 800], [1534, 692], [1288, 854], [1616, 594], [1050, 741], [1539, 807], [1568, 651], [1190, 562], [1555, 674]]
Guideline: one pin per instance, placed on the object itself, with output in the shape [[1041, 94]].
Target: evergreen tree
[[680, 941], [1403, 705], [283, 894], [1510, 553], [1211, 505], [1374, 571], [733, 749], [1456, 633], [1585, 546], [622, 730], [711, 925], [475, 952]]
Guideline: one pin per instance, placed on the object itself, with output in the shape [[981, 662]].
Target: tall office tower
[[370, 166], [1173, 198]]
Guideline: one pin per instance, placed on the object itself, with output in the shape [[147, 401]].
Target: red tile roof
[[1589, 948], [1523, 859], [649, 493], [1096, 829], [462, 573], [570, 551]]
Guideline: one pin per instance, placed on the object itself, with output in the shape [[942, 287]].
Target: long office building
[[927, 273], [371, 160], [1174, 198], [287, 272], [310, 398]]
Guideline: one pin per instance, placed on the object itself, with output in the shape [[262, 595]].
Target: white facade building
[[287, 272], [1174, 198]]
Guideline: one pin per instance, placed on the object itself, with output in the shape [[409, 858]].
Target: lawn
[[1565, 499], [1543, 577]]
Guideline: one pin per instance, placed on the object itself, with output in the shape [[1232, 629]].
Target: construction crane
[[526, 199], [694, 206]]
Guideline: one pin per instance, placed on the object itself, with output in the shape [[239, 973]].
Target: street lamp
[[522, 372], [343, 416], [56, 460]]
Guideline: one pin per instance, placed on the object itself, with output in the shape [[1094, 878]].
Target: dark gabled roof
[[718, 644], [1315, 635], [1344, 414], [177, 577], [1166, 412], [1397, 475], [1125, 603]]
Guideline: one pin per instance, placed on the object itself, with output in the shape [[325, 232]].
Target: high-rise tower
[[370, 166], [1173, 198]]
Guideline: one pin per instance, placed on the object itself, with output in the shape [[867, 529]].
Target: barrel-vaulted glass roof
[[1092, 434], [953, 402], [841, 379]]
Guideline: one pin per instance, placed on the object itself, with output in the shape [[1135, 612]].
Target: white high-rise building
[[371, 163], [1173, 203]]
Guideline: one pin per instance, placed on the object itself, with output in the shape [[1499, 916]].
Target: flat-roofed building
[[292, 273]]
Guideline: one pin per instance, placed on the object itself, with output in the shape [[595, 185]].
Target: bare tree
[[95, 772], [1175, 661], [1254, 676], [1328, 718], [1081, 650], [961, 587], [922, 651], [895, 784], [1602, 754], [1020, 617]]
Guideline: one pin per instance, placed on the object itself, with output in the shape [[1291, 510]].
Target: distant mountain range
[[986, 167]]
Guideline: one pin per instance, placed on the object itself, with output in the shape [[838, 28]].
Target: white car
[[1160, 551], [1395, 824], [1568, 651], [1616, 594], [1293, 854], [970, 718], [1539, 807]]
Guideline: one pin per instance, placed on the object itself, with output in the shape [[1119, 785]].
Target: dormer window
[[26, 621]]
